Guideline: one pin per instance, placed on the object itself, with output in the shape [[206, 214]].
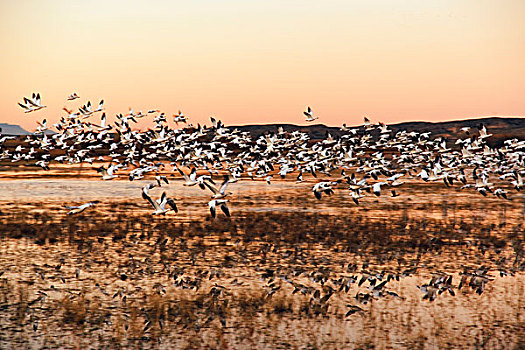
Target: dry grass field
[[285, 271]]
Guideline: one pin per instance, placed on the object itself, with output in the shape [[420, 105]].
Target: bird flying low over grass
[[190, 180], [320, 187], [79, 209], [376, 188], [219, 193], [107, 174], [221, 203], [356, 195], [160, 204], [160, 179]]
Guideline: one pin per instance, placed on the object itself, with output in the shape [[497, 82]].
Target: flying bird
[[73, 96], [309, 115], [79, 209], [32, 104], [221, 203], [107, 174], [219, 193], [160, 204]]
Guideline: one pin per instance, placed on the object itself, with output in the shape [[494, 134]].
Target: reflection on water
[[431, 268]]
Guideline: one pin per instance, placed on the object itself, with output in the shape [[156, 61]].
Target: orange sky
[[263, 62]]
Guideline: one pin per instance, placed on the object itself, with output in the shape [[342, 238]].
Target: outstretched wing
[[225, 209], [145, 190], [102, 170], [183, 175], [212, 188], [172, 204], [38, 102], [162, 201], [26, 108], [146, 196], [224, 184]]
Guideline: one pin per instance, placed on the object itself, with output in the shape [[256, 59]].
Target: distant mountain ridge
[[500, 127], [13, 130], [17, 130]]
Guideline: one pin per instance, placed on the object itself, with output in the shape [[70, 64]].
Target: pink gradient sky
[[263, 62]]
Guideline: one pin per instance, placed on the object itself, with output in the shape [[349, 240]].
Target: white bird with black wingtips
[[73, 96], [376, 188], [107, 174], [220, 193], [309, 115], [191, 180], [160, 204], [221, 203], [80, 208]]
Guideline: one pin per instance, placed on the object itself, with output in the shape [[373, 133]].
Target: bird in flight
[[309, 115], [73, 96], [32, 104], [221, 203], [160, 204], [80, 208]]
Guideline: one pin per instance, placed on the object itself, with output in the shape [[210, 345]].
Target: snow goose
[[73, 96], [160, 204], [107, 174], [80, 208], [309, 115], [323, 186], [221, 203], [191, 180], [219, 193]]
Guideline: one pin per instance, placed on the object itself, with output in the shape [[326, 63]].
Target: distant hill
[[12, 130], [17, 130], [500, 127]]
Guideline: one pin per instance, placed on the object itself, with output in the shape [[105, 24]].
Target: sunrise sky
[[265, 61]]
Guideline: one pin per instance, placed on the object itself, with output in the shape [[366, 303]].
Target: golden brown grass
[[229, 283]]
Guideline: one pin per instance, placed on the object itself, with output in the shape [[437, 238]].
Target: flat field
[[433, 268]]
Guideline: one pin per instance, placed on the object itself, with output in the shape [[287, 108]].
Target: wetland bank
[[285, 271]]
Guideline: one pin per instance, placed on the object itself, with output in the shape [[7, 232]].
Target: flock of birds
[[377, 157], [366, 161]]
